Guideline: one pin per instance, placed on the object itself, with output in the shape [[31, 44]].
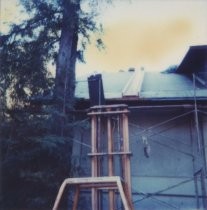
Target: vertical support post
[[196, 191], [126, 160], [94, 160], [121, 146], [110, 162], [203, 187], [99, 160], [200, 148], [196, 115]]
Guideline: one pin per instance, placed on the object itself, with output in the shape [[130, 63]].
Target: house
[[167, 132]]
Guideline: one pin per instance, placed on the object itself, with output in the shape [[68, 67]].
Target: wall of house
[[164, 143], [167, 174]]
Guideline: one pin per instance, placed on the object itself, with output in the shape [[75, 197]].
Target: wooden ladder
[[113, 182]]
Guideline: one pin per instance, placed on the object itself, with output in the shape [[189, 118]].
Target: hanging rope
[[147, 147]]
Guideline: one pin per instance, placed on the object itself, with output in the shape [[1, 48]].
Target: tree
[[52, 33], [31, 146], [65, 70], [32, 162]]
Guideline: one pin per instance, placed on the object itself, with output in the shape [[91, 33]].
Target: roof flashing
[[133, 86]]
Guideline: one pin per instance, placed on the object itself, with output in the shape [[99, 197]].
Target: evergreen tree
[[36, 142]]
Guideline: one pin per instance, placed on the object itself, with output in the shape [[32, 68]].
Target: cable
[[166, 121], [81, 121], [163, 203], [203, 112], [173, 148], [146, 196], [81, 143], [168, 146], [159, 133], [148, 129]]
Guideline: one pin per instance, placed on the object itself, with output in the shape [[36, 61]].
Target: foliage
[[21, 80], [34, 162], [36, 148]]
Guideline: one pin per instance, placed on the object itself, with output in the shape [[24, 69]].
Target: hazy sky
[[9, 12], [148, 33], [153, 34]]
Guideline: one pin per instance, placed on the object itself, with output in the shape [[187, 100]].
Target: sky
[[149, 34], [10, 11]]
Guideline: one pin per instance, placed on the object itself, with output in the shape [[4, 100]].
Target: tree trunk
[[65, 70], [65, 78]]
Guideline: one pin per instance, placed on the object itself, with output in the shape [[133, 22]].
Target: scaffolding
[[152, 135], [102, 118], [195, 114], [105, 155]]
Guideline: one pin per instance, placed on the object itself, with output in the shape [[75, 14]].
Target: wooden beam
[[110, 162], [109, 106], [109, 153], [94, 161], [107, 112], [126, 159], [75, 204]]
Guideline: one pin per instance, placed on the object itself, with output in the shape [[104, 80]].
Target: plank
[[75, 204], [109, 153], [110, 163]]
